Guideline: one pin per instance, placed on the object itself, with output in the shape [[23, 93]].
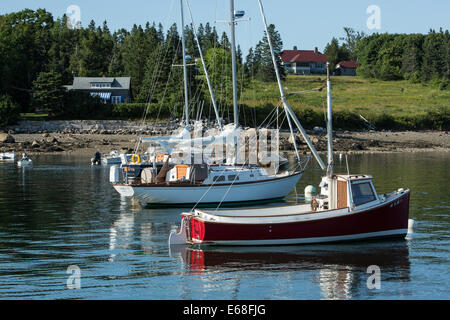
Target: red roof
[[302, 56], [348, 64]]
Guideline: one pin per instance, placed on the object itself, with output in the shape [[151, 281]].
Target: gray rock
[[6, 138]]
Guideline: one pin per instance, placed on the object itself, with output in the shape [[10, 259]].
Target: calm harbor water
[[62, 212]]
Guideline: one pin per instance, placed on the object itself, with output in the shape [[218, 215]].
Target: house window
[[302, 64], [100, 85], [362, 193], [116, 99]]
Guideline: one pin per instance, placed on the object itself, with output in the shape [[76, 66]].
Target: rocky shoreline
[[87, 137]]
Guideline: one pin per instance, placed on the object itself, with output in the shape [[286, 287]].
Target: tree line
[[414, 57], [40, 54]]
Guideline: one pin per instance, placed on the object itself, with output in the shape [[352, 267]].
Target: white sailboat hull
[[238, 192]]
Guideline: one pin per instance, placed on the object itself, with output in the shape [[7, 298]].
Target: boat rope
[[305, 91], [236, 174], [204, 194]]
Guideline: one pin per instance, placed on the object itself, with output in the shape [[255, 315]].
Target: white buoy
[[410, 226], [310, 190]]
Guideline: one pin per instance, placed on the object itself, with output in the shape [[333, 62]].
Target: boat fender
[[136, 158], [114, 174], [314, 204]]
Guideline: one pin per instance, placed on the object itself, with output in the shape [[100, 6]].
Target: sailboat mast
[[286, 105], [329, 125], [213, 100], [233, 64], [183, 46]]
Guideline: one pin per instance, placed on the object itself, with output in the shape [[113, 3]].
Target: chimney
[[316, 50], [295, 48]]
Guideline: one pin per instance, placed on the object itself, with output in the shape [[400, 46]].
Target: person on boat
[[97, 158], [25, 157]]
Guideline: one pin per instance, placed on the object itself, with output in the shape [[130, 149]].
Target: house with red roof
[[346, 68], [304, 61]]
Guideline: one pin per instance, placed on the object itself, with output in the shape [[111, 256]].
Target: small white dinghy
[[25, 161], [8, 156]]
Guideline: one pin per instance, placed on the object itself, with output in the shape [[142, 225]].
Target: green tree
[[9, 111], [412, 56], [62, 48], [24, 43], [136, 50], [351, 40], [94, 52], [48, 92], [262, 60], [336, 53], [435, 50]]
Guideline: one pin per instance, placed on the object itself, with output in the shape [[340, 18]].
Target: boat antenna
[[329, 125], [287, 107], [233, 63], [183, 45]]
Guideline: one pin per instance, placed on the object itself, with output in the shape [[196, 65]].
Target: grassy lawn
[[34, 116], [353, 94]]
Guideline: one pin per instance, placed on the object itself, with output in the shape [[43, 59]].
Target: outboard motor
[[97, 158]]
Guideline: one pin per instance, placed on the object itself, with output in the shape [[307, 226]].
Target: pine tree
[[336, 53], [48, 92], [263, 63], [434, 55]]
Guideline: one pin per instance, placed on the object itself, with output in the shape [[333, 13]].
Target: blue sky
[[306, 24]]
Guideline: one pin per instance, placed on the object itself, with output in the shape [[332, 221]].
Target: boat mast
[[329, 125], [286, 105], [213, 100], [233, 64], [183, 46]]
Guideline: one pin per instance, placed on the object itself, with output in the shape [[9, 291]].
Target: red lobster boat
[[354, 212]]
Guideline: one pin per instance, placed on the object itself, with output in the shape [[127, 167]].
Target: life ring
[[314, 204], [136, 158]]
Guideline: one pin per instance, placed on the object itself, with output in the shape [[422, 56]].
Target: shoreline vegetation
[[358, 104]]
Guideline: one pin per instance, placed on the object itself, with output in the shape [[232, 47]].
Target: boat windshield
[[362, 192]]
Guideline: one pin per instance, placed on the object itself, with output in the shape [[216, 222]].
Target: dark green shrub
[[9, 111], [310, 118], [384, 121], [80, 105], [347, 120]]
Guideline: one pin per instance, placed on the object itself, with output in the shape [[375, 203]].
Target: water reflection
[[63, 212], [339, 270]]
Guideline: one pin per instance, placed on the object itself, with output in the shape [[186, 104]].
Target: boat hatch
[[181, 171]]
